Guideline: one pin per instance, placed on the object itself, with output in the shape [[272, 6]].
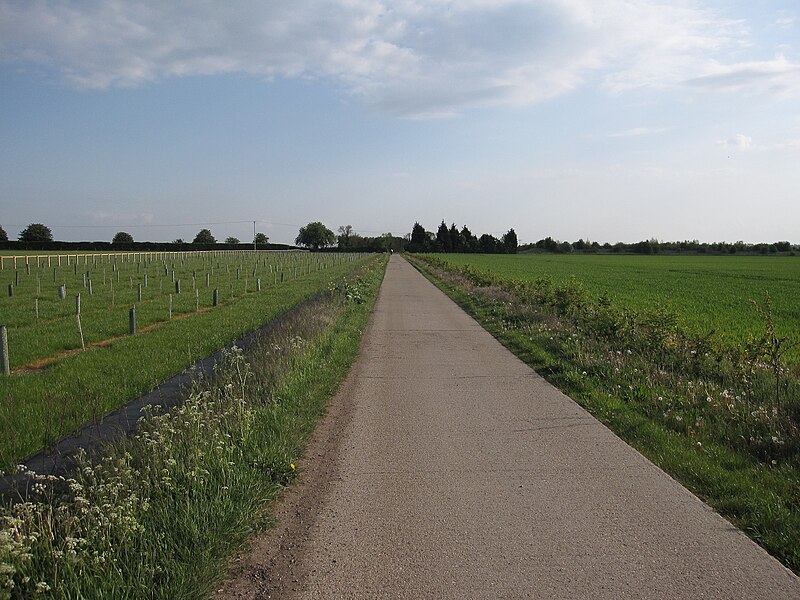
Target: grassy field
[[706, 293], [158, 514], [55, 387]]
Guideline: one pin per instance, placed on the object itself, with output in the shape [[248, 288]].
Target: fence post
[[132, 320], [4, 350], [78, 319], [215, 301]]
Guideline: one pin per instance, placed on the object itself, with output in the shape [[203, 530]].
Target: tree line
[[654, 246], [316, 236], [453, 239], [39, 232]]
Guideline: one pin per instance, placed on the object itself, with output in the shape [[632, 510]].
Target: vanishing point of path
[[449, 469]]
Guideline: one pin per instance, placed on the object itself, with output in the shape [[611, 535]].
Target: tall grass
[[157, 514]]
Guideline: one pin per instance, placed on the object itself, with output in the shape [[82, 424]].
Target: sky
[[618, 120]]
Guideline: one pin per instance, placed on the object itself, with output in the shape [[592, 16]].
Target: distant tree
[[232, 240], [469, 241], [487, 244], [345, 231], [456, 243], [391, 242], [261, 240], [315, 236], [178, 241], [122, 237], [419, 239], [443, 240], [548, 244], [3, 234], [510, 243], [204, 237], [36, 232], [565, 247]]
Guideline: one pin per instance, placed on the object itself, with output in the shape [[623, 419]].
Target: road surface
[[447, 468]]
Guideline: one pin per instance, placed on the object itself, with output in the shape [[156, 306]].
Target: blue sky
[[608, 121]]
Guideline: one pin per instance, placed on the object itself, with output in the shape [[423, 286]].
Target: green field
[[55, 386], [706, 293], [109, 285]]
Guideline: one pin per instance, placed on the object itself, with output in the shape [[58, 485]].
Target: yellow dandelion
[[292, 465]]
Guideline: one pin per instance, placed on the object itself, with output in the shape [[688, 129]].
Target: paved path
[[460, 473]]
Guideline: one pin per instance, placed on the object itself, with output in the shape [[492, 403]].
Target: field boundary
[[130, 256], [58, 458]]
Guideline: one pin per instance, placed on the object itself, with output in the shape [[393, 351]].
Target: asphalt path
[[449, 469]]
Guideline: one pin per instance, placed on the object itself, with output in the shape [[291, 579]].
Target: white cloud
[[778, 76], [785, 20], [738, 141], [407, 58]]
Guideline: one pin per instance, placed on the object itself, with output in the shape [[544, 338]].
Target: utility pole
[[255, 247]]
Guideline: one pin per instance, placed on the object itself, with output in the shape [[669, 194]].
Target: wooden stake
[[4, 350]]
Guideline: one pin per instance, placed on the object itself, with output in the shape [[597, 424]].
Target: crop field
[[69, 365], [705, 293]]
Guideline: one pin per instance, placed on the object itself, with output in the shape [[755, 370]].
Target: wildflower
[[292, 466]]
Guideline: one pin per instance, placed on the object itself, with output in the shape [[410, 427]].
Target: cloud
[[777, 76], [408, 58], [738, 141], [785, 20]]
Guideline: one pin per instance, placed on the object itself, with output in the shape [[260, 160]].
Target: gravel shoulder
[[448, 468]]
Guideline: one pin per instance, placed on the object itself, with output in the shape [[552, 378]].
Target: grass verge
[[688, 410], [158, 514]]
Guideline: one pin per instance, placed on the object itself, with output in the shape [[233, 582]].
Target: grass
[[159, 514], [708, 415], [706, 293], [38, 407]]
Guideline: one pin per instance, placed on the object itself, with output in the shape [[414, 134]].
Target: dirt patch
[[42, 363], [265, 568]]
